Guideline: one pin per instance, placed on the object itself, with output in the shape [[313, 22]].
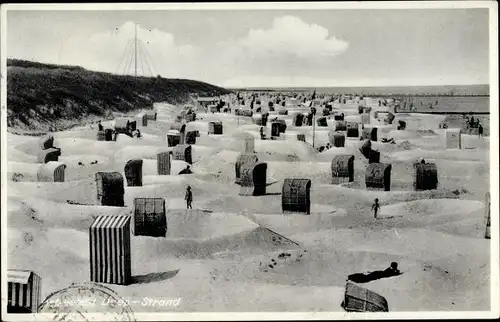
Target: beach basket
[[487, 215], [244, 160], [109, 241], [253, 179], [453, 138], [51, 172], [389, 118], [378, 176], [282, 111], [46, 142], [149, 217], [215, 128], [190, 137], [342, 169], [336, 139], [374, 156], [298, 119], [369, 133], [163, 163], [178, 126], [122, 126], [401, 125], [110, 189], [183, 152], [142, 118], [365, 119], [48, 155], [101, 136], [360, 299], [278, 127], [24, 291], [352, 130], [340, 126], [366, 148], [321, 122], [296, 196], [173, 138], [360, 109], [259, 119], [326, 111], [426, 176], [133, 173], [151, 115], [338, 118]]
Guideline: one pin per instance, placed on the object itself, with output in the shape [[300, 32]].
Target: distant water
[[445, 104], [468, 99], [454, 90]]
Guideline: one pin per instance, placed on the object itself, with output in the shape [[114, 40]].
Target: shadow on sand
[[153, 277]]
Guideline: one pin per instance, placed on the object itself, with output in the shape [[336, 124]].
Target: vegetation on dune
[[54, 97]]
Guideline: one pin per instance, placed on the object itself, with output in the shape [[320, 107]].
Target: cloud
[[289, 48], [290, 35], [113, 51]]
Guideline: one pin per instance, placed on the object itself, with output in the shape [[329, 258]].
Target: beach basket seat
[[378, 176], [342, 169], [253, 179], [149, 217], [133, 172], [426, 176], [296, 196], [360, 299], [110, 189]]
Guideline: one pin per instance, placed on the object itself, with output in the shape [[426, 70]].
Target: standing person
[[262, 136], [101, 128], [189, 198], [375, 208], [480, 130]]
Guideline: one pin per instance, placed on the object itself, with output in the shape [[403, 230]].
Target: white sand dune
[[214, 256]]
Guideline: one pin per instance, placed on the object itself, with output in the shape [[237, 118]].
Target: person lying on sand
[[386, 140], [391, 271]]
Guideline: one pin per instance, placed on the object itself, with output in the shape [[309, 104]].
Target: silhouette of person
[[189, 198]]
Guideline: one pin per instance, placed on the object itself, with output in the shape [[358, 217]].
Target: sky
[[265, 48]]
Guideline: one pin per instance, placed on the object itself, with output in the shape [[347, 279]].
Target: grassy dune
[[43, 97]]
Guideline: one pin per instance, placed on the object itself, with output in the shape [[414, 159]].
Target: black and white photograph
[[263, 161]]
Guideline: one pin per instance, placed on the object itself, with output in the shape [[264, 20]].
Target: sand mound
[[434, 207], [136, 152], [201, 225], [296, 149], [76, 146], [52, 214], [19, 156], [149, 168], [18, 171]]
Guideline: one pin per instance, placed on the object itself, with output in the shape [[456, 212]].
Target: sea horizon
[[414, 90]]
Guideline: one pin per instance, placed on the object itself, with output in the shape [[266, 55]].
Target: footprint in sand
[[28, 238]]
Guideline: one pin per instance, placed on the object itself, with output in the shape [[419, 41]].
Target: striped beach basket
[[24, 291], [109, 240]]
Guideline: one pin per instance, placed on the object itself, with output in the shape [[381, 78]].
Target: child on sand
[[189, 198], [375, 208]]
